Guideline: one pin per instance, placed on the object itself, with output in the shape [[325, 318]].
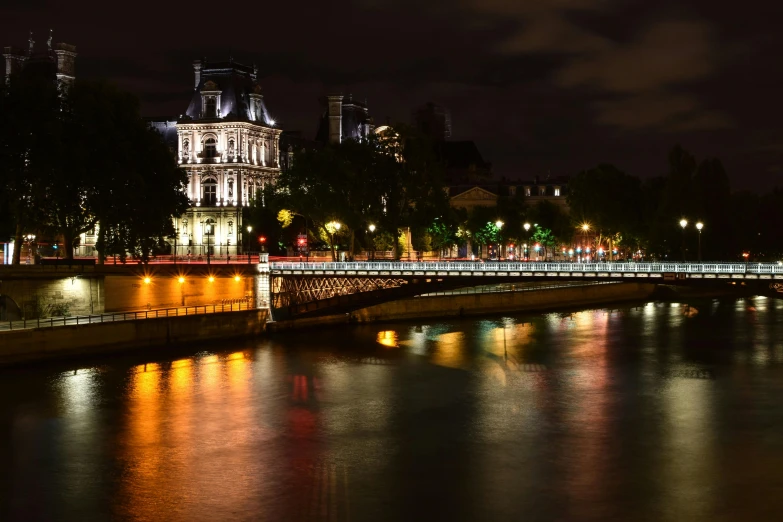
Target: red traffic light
[[262, 239]]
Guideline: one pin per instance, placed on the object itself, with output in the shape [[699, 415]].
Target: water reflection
[[653, 412]]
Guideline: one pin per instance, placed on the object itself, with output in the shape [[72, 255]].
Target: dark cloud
[[549, 86]]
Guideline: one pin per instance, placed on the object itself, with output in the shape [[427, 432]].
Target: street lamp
[[332, 227], [683, 224], [499, 224], [372, 241], [699, 226], [526, 226], [249, 230]]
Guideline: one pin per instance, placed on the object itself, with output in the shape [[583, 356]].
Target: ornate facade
[[228, 145]]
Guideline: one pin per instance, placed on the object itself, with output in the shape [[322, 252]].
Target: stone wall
[[38, 344], [132, 293], [79, 295], [97, 293], [481, 304]]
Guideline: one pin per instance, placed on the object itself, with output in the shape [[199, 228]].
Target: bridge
[[312, 289]]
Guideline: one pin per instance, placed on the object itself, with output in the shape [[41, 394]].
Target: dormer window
[[210, 100], [210, 107]]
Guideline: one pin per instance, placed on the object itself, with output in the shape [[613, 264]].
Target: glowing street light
[[372, 241], [585, 227], [699, 226], [181, 280], [333, 227], [147, 280], [683, 224], [499, 224]]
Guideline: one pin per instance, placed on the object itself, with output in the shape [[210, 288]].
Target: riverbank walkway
[[51, 322]]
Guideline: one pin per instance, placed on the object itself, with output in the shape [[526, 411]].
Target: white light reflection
[[78, 390]]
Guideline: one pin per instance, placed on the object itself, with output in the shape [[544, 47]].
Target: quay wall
[[19, 346], [481, 304], [39, 293]]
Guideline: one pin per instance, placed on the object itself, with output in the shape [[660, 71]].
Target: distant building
[[57, 60], [463, 163], [343, 118], [228, 145], [433, 121], [469, 196]]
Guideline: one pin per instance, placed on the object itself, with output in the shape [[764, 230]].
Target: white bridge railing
[[457, 267]]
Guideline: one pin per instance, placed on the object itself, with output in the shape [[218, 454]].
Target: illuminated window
[[527, 191], [557, 191], [231, 189], [209, 188], [542, 191], [230, 227]]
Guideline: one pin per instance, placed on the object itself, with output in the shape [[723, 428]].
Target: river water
[[659, 412]]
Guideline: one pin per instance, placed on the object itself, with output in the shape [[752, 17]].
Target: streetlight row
[[181, 279]]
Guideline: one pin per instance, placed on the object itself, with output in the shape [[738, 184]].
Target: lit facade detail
[[228, 146]]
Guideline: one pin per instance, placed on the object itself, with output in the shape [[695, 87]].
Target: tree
[[74, 158], [391, 181], [607, 200], [712, 199], [30, 126]]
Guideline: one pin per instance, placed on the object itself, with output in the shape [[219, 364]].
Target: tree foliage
[[75, 158]]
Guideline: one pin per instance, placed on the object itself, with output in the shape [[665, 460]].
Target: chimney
[[335, 112], [197, 70], [66, 63], [14, 59]]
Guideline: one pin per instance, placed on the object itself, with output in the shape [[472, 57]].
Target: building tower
[[227, 143], [66, 63]]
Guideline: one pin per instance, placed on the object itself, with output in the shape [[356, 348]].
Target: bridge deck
[[519, 269]]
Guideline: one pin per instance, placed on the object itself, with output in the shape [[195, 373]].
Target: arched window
[[230, 189], [230, 228], [210, 148], [209, 195]]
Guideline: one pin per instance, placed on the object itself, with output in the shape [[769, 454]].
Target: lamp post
[[332, 227], [699, 226], [526, 226], [499, 225], [249, 230], [372, 241], [683, 224]]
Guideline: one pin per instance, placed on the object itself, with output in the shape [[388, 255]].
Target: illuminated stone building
[[58, 61], [228, 145]]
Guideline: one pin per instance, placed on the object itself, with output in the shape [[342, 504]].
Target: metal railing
[[233, 306], [505, 266]]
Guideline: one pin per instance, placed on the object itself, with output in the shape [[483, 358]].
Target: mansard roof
[[236, 82]]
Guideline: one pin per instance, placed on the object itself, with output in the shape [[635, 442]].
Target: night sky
[[550, 86]]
